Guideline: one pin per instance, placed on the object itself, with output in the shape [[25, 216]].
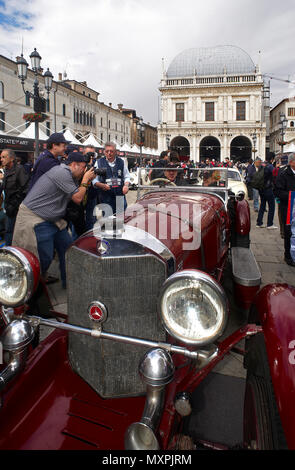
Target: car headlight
[[19, 276], [193, 307]]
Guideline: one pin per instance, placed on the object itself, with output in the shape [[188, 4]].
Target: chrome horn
[[15, 339], [156, 370]]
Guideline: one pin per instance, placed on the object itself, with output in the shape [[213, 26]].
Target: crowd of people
[[48, 205], [270, 183]]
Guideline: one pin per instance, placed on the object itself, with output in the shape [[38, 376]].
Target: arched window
[[292, 124], [1, 91]]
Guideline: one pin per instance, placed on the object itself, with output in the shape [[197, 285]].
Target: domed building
[[212, 105]]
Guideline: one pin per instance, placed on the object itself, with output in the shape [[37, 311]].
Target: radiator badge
[[97, 312], [103, 247]]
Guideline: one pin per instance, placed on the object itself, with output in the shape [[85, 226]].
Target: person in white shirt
[[115, 182]]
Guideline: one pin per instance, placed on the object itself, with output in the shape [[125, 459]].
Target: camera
[[88, 156], [100, 172]]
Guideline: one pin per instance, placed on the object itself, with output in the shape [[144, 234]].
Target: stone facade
[[71, 104], [214, 114], [150, 132], [286, 106]]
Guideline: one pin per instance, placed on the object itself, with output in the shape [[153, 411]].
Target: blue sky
[[15, 19], [117, 46]]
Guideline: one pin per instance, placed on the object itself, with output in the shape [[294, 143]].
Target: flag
[[291, 208]]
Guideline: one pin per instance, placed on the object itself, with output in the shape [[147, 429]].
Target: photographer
[[116, 180], [92, 193], [40, 225]]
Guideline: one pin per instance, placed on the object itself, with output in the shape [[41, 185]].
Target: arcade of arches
[[241, 149], [210, 147], [181, 145]]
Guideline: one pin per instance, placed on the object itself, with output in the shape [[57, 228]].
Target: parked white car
[[235, 181]]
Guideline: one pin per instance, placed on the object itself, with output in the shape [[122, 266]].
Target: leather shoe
[[290, 262]]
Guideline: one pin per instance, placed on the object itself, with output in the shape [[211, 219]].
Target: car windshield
[[186, 177], [234, 175]]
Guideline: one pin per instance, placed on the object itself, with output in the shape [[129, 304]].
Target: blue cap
[[71, 148], [75, 157], [57, 138]]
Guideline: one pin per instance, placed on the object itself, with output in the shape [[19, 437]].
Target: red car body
[[49, 404]]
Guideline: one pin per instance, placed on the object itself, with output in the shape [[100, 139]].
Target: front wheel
[[262, 425], [257, 422]]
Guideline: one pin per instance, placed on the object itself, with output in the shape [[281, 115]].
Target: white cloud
[[117, 45]]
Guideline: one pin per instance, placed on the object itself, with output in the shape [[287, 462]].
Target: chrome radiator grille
[[128, 286]]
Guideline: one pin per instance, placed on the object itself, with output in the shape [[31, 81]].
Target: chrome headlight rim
[[194, 275], [28, 272]]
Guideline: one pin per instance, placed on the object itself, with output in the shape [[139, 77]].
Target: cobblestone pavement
[[268, 248]]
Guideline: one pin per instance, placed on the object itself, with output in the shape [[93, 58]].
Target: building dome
[[211, 61]]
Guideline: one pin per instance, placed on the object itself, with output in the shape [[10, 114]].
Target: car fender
[[242, 219], [275, 308]]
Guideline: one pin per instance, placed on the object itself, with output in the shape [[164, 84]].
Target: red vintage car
[[147, 322]]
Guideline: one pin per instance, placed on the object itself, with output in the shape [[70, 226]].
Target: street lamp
[[39, 103], [140, 129], [254, 138], [283, 127]]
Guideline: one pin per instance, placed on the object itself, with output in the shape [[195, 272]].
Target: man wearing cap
[[162, 163], [117, 179], [93, 192], [172, 173], [70, 149], [14, 186], [55, 147], [40, 227]]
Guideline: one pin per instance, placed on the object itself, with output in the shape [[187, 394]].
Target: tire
[[262, 425]]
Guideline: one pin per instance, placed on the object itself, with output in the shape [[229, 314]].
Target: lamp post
[[39, 102], [254, 138], [283, 127], [140, 130]]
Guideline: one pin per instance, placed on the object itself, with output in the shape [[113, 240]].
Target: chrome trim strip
[[113, 336], [144, 239]]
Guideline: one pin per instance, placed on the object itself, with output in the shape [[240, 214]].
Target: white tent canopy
[[290, 147], [126, 148], [135, 148], [91, 140], [71, 138], [29, 133]]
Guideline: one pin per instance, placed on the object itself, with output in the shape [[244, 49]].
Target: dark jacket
[[268, 177], [44, 162], [15, 187], [250, 171], [285, 182]]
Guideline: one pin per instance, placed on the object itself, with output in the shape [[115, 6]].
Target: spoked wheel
[[262, 425]]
